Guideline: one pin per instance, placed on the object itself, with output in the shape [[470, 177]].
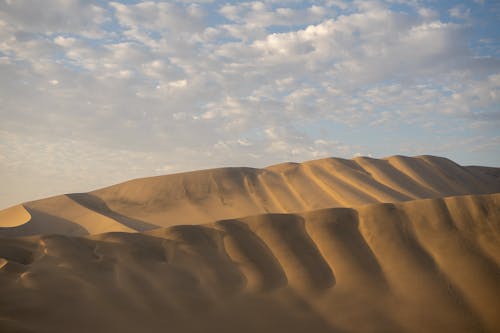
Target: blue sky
[[96, 92]]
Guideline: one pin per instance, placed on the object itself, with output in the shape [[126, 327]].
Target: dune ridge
[[203, 196], [430, 265]]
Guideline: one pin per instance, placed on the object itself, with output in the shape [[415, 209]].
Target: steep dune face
[[428, 265], [203, 196]]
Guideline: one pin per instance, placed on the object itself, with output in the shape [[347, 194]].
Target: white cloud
[[178, 84], [159, 16], [247, 83], [260, 14], [53, 16], [460, 12]]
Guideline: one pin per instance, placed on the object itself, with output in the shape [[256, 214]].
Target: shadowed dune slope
[[207, 195], [429, 265]]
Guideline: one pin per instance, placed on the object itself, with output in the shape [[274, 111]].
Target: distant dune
[[208, 195], [365, 245]]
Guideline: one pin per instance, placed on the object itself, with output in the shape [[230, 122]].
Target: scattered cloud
[[178, 85]]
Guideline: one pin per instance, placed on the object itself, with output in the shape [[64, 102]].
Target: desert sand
[[205, 196], [402, 244]]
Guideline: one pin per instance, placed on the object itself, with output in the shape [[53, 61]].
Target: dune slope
[[428, 265], [208, 195]]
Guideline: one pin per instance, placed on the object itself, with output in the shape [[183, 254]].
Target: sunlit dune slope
[[203, 196], [14, 216], [428, 265]]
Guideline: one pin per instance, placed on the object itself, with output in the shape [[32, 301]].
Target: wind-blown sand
[[305, 247]]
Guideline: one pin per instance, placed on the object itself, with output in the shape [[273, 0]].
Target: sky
[[93, 93]]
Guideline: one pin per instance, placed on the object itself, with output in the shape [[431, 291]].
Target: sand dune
[[428, 265], [208, 195], [402, 244]]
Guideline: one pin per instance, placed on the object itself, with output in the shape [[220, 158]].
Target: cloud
[[262, 15], [54, 16], [460, 12], [159, 16], [247, 83]]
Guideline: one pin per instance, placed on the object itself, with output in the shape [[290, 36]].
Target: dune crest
[[226, 193], [428, 265]]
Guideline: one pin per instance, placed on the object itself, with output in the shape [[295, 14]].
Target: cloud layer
[[94, 92]]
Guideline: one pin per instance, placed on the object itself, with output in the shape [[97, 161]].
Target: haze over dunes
[[208, 195]]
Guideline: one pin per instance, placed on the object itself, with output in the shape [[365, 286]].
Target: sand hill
[[208, 195], [365, 245]]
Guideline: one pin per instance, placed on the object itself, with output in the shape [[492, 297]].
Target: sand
[[365, 245], [208, 195]]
